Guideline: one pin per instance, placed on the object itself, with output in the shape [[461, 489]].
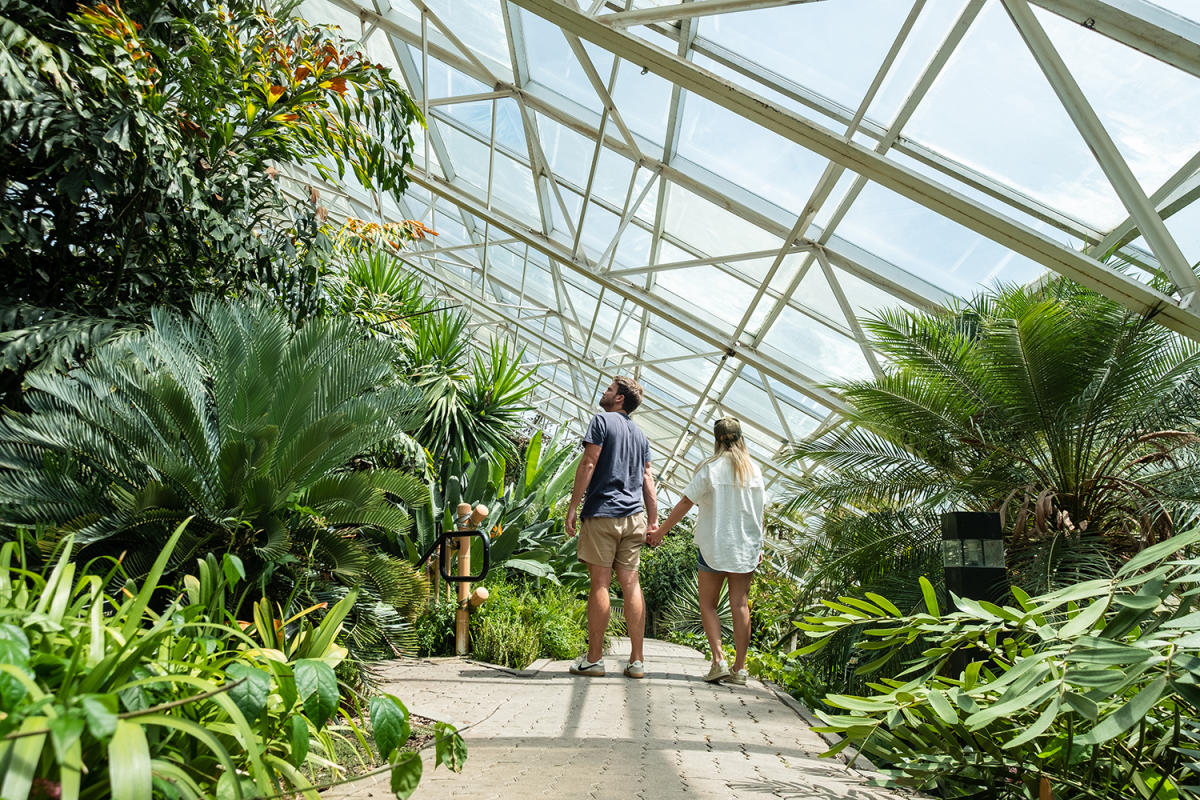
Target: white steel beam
[[1155, 31], [701, 8]]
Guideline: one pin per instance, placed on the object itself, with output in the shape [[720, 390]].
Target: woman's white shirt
[[729, 527]]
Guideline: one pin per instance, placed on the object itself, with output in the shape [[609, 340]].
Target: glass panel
[[993, 109], [479, 24], [643, 102], [826, 354], [478, 116], [929, 246], [837, 54], [1150, 109], [1185, 227], [711, 229], [552, 64], [748, 154]]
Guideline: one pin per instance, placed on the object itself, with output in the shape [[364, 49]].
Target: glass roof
[[708, 194]]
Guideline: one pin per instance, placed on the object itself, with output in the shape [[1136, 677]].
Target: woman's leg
[[710, 593], [739, 604]]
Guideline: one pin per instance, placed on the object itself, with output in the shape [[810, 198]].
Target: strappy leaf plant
[[103, 696], [1089, 691], [233, 417]]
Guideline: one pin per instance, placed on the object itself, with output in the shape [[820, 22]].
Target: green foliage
[[666, 572], [518, 625], [471, 402], [237, 419], [140, 144], [101, 696], [788, 671], [1091, 688], [526, 533], [1046, 404], [435, 629]]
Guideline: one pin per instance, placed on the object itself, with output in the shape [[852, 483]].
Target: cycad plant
[[1046, 404], [236, 418]]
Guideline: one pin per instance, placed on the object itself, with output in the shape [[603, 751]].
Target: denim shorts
[[701, 564]]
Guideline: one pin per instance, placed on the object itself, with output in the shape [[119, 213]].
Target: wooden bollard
[[466, 520]]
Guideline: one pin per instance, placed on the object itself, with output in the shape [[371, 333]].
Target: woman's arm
[[682, 507]]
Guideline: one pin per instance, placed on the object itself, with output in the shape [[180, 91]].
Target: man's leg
[[635, 611], [598, 609], [710, 595], [739, 604]]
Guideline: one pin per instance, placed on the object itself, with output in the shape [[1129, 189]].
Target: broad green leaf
[[101, 716], [65, 731], [250, 693], [285, 682], [1039, 726], [317, 687], [298, 738], [1082, 705], [449, 747], [406, 773], [927, 591], [884, 603], [234, 570], [389, 722], [129, 762], [23, 759], [1085, 620], [941, 706], [1159, 551], [1125, 717]]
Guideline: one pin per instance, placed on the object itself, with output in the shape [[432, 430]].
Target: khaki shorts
[[613, 541]]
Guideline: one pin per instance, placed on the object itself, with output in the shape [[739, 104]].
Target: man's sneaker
[[594, 669], [634, 669], [719, 670], [738, 678]]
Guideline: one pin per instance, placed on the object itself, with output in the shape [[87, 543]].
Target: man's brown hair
[[631, 390]]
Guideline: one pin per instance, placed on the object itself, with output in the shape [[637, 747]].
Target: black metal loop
[[442, 543]]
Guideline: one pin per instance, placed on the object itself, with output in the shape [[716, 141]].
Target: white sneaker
[[719, 670], [593, 669], [634, 669], [739, 677]]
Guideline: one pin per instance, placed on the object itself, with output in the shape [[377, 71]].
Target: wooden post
[[465, 520]]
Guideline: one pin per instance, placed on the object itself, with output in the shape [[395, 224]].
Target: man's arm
[[650, 498], [583, 476]]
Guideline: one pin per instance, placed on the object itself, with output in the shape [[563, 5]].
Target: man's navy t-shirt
[[616, 486]]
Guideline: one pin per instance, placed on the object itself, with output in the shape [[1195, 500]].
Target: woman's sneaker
[[738, 678], [582, 666], [719, 670]]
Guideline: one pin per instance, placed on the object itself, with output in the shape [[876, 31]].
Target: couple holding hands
[[614, 480]]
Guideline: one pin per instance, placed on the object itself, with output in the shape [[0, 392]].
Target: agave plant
[[233, 417]]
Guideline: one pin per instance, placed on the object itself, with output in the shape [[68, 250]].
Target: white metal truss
[[603, 241]]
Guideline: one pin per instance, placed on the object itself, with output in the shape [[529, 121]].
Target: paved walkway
[[547, 733]]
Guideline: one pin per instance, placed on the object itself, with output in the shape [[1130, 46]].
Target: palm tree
[[233, 417], [1049, 405], [472, 400]]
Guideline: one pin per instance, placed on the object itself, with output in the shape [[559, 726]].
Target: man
[[615, 472]]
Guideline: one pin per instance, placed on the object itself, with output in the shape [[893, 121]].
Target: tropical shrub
[[1046, 404], [526, 533], [517, 625], [141, 144], [666, 572], [1089, 691], [239, 420], [102, 696]]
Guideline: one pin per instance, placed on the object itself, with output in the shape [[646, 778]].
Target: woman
[[728, 489]]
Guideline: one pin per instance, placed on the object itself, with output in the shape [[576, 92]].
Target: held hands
[[655, 534]]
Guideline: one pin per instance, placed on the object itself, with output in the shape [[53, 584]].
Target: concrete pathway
[[546, 733]]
